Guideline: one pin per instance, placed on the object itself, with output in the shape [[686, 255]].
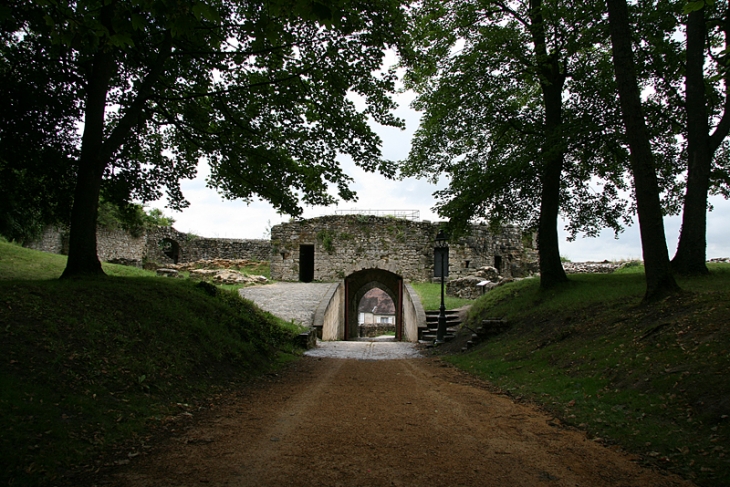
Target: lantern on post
[[441, 269]]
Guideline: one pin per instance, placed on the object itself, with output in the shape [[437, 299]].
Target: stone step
[[430, 337], [492, 327], [449, 322], [448, 312]]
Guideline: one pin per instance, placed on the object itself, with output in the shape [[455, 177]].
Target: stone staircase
[[428, 334], [486, 329]]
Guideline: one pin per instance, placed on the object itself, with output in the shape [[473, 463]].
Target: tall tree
[[702, 141], [261, 90], [659, 278], [518, 113]]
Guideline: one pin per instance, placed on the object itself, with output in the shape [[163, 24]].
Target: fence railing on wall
[[413, 215]]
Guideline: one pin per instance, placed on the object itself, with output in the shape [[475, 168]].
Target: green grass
[[90, 367], [430, 295], [651, 378], [17, 262]]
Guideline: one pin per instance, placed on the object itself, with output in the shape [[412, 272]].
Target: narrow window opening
[[498, 263]]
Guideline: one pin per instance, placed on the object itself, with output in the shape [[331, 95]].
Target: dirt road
[[417, 422]]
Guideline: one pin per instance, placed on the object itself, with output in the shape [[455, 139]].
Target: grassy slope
[[88, 365], [430, 295], [652, 379]]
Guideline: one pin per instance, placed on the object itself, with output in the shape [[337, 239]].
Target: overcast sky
[[211, 216]]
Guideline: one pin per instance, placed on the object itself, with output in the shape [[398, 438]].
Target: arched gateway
[[336, 317]]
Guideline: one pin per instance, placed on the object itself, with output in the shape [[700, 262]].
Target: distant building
[[376, 308]]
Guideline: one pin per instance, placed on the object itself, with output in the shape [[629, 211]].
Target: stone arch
[[171, 248], [362, 281]]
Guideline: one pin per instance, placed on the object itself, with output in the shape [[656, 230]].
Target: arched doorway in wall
[[358, 284], [376, 314], [170, 248]]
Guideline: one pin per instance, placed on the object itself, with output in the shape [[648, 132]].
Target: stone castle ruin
[[325, 249], [330, 248]]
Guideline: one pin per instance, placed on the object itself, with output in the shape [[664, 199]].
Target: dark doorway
[[498, 263], [306, 263], [170, 248]]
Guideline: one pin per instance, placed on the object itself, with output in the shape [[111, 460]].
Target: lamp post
[[441, 269]]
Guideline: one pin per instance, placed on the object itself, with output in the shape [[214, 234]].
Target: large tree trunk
[[96, 152], [82, 256], [701, 146], [659, 279], [552, 152]]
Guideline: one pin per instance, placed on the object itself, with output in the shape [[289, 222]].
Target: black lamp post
[[441, 269]]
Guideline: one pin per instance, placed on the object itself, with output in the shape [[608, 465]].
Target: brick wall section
[[344, 244]]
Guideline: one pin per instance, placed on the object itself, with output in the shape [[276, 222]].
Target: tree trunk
[[82, 256], [691, 252], [659, 279], [97, 152], [552, 153], [551, 269]]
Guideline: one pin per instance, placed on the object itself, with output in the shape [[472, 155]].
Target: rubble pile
[[604, 267], [725, 260], [471, 287], [213, 264], [219, 271]]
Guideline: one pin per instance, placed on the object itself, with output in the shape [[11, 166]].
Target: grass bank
[[651, 379], [430, 295], [90, 368]]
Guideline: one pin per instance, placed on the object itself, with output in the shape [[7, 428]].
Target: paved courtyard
[[290, 301]]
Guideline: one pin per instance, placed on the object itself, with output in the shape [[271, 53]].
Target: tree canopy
[[519, 112], [263, 91]]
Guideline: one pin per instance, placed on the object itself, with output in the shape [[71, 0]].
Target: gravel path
[[365, 349], [378, 423], [295, 301]]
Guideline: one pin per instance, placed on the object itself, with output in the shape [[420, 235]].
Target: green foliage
[[267, 103], [326, 238], [649, 378], [92, 364], [482, 81], [131, 217], [38, 132]]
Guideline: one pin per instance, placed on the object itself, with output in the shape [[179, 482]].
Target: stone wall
[[120, 247], [190, 248], [164, 245], [343, 244], [53, 240]]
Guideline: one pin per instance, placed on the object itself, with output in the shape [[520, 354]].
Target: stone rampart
[[164, 245], [332, 247], [168, 246]]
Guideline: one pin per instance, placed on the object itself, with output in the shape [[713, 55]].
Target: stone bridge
[[331, 308]]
